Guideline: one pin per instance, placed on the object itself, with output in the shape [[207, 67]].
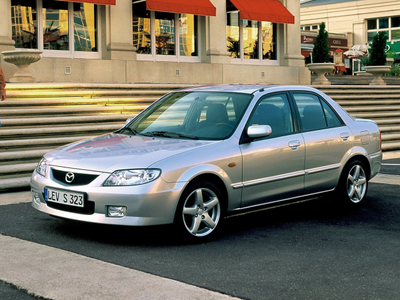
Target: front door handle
[[294, 144]]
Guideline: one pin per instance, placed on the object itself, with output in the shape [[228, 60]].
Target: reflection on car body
[[199, 154]]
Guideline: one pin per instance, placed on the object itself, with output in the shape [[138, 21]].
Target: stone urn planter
[[22, 59], [377, 72], [321, 69]]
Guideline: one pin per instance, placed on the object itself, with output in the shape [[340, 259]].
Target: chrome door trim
[[267, 179], [322, 169]]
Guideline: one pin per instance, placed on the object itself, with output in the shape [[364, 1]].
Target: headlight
[[132, 177], [41, 168]]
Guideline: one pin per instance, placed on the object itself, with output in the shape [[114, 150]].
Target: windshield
[[195, 115]]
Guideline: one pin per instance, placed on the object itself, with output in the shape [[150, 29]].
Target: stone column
[[119, 31], [6, 42], [215, 35], [292, 37]]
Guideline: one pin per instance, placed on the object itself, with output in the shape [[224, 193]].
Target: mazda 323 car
[[198, 154]]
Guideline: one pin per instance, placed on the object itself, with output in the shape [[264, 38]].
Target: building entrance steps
[[39, 117]]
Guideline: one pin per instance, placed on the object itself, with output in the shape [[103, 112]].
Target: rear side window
[[314, 113]]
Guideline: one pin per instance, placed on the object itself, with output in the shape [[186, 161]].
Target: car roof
[[245, 88]]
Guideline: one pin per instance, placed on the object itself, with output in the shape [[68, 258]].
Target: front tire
[[354, 183], [200, 211]]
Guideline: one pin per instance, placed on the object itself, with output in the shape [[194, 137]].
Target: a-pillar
[[119, 33], [216, 50], [292, 38]]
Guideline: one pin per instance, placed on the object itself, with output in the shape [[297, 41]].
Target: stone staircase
[[39, 117]]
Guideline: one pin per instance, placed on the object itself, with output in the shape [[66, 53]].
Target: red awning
[[264, 10], [107, 2], [198, 7]]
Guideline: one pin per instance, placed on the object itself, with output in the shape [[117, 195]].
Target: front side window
[[163, 35], [249, 40], [56, 27], [275, 112]]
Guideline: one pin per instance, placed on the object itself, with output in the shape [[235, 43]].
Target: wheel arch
[[363, 159], [213, 178]]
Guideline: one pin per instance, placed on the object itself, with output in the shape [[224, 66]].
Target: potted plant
[[320, 57], [376, 64]]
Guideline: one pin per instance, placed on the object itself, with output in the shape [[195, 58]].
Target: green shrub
[[377, 54], [320, 52], [395, 71]]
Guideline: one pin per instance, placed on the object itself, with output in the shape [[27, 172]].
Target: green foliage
[[395, 71], [320, 52], [377, 53], [365, 60]]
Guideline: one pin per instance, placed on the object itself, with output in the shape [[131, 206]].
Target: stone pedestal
[[22, 59], [377, 72], [321, 69]]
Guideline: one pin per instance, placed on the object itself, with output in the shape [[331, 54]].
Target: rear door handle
[[345, 136], [294, 144]]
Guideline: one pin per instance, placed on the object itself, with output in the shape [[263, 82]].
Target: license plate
[[64, 197]]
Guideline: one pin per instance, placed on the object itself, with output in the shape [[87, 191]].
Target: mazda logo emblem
[[69, 177]]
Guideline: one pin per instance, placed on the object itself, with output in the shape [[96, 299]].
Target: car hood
[[111, 152]]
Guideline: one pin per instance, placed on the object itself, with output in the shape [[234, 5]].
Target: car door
[[273, 167], [327, 139]]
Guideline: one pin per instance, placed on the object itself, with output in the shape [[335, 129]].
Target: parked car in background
[[197, 155]]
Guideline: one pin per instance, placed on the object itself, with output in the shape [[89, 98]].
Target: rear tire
[[353, 183], [200, 211]]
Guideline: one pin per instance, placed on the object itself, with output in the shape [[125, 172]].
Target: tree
[[320, 52], [377, 56]]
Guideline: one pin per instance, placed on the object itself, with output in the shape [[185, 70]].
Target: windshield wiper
[[134, 132], [170, 135]]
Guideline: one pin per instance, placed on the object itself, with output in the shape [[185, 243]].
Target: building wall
[[349, 16], [119, 62]]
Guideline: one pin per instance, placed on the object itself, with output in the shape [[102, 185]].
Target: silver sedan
[[197, 155]]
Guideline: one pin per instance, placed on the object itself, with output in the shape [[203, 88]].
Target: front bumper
[[153, 203]]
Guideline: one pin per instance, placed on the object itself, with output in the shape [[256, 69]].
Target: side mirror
[[259, 131]]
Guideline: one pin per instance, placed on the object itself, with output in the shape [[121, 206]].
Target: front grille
[[78, 178]]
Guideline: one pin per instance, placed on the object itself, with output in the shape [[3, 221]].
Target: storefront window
[[389, 25], [395, 21], [250, 39], [268, 40], [371, 24], [55, 25], [85, 33], [58, 19], [141, 28], [244, 38], [165, 33], [232, 34], [164, 36], [383, 23], [24, 24], [395, 35], [187, 36]]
